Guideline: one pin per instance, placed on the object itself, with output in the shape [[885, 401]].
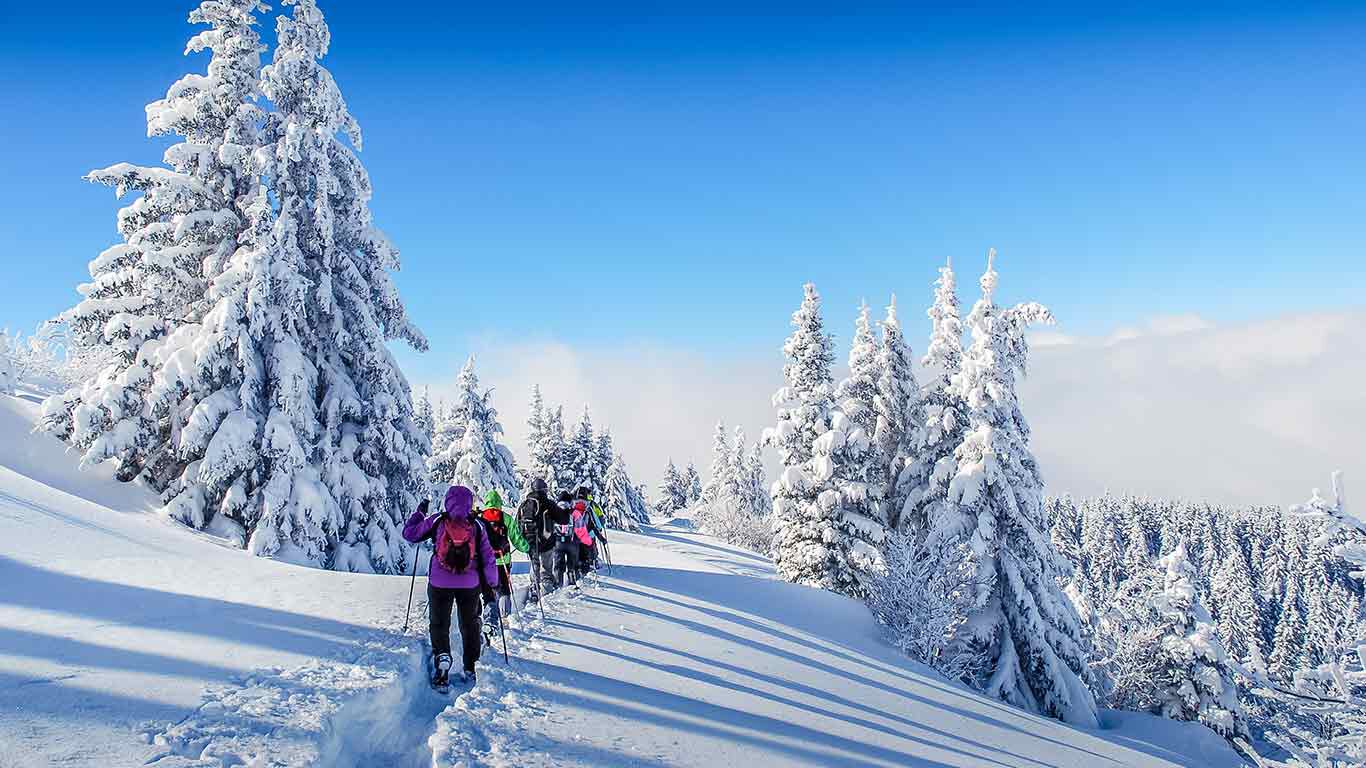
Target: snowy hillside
[[127, 640]]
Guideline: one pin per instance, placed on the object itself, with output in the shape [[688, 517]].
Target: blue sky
[[596, 173]]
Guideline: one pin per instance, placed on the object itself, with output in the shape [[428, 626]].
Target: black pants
[[566, 562], [546, 566], [466, 603]]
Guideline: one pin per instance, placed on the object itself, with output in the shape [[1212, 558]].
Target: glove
[[489, 597], [422, 507]]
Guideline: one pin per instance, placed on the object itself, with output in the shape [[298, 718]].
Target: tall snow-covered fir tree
[[858, 465], [924, 481], [424, 416], [583, 466], [556, 449], [672, 493], [896, 403], [1021, 619], [855, 394], [1196, 681], [479, 460], [355, 423], [802, 524], [542, 460], [741, 512], [692, 482], [253, 384], [720, 460], [607, 452], [178, 235]]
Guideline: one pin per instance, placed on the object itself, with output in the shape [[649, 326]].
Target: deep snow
[[127, 640]]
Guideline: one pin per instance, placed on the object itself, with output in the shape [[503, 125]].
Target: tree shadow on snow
[[39, 589], [631, 702], [789, 609]]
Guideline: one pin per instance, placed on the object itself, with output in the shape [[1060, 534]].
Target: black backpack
[[529, 519]]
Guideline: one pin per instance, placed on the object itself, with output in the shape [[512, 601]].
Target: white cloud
[[1253, 413]]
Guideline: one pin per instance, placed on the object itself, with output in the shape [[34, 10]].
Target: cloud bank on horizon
[[1254, 413]]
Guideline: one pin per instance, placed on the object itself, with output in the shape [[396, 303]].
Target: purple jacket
[[459, 503]]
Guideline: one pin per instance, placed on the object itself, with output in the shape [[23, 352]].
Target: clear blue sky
[[687, 166]]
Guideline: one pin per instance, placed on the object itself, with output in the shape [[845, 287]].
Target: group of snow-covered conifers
[[471, 560], [881, 465]]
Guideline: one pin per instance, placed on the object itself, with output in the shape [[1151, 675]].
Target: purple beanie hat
[[459, 501]]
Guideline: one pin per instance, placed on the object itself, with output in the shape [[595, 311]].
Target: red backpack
[[456, 543]]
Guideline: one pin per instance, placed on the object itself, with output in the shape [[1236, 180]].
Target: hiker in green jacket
[[504, 536]]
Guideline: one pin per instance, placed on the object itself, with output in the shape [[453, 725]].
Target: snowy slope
[[125, 640]]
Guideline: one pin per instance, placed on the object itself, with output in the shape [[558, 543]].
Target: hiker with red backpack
[[463, 568], [504, 537]]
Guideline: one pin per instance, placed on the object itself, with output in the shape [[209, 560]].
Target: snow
[[118, 648]]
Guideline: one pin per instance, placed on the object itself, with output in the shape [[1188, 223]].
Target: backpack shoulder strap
[[479, 551]]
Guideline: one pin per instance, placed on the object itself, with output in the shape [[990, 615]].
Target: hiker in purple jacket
[[463, 568]]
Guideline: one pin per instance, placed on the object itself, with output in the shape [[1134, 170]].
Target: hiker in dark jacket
[[463, 567], [538, 515]]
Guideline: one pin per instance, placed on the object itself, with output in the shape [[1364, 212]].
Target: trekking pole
[[540, 589], [502, 628], [411, 587]]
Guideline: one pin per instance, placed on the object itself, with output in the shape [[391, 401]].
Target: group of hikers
[[471, 564]]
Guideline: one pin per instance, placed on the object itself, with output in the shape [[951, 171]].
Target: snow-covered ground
[[126, 640]]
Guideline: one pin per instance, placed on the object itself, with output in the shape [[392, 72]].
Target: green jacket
[[515, 537]]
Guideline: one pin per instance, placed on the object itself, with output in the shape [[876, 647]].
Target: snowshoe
[[441, 681]]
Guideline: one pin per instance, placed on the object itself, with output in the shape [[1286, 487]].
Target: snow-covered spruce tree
[[859, 466], [1020, 617], [1065, 527], [424, 416], [606, 452], [758, 535], [339, 406], [542, 458], [621, 503], [1100, 540], [924, 481], [582, 467], [742, 513], [451, 427], [447, 427], [178, 236], [1239, 622], [557, 449], [1288, 641], [481, 461], [672, 494], [276, 392], [896, 402], [854, 395], [804, 528], [692, 482], [720, 459], [1197, 682], [1167, 657], [841, 461]]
